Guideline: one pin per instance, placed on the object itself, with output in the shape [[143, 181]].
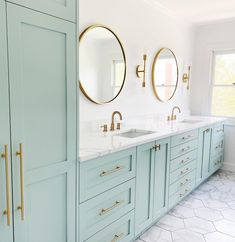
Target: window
[[223, 85], [118, 74]]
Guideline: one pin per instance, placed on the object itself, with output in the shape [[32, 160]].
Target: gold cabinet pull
[[21, 207], [185, 149], [116, 169], [7, 212], [117, 237], [185, 192], [184, 183], [106, 210], [185, 171]]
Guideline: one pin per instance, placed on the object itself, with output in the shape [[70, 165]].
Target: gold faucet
[[173, 116], [112, 128]]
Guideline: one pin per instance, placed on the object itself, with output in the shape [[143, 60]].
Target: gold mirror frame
[[153, 76], [124, 58]]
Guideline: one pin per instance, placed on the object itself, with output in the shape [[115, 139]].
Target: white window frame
[[114, 74], [212, 83]]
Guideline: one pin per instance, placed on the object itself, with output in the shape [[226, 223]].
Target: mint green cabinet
[[204, 151], [42, 67], [151, 183], [6, 224], [65, 9], [161, 178], [144, 186]]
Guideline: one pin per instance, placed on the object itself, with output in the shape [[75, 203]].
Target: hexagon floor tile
[[208, 215]]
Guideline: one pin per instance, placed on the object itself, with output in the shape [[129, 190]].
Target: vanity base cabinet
[[151, 183]]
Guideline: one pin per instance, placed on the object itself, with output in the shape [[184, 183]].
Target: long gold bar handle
[[7, 212], [116, 169], [21, 207], [106, 210]]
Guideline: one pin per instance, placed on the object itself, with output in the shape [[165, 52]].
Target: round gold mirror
[[102, 64], [165, 74]]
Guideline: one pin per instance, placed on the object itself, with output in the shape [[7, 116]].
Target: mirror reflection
[[165, 74], [102, 64]]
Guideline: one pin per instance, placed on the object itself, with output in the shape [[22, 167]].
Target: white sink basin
[[191, 121], [134, 133]]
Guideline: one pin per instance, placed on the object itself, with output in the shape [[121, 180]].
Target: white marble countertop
[[96, 144]]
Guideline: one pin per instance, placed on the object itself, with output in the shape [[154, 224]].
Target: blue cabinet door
[[144, 186], [42, 64], [161, 178], [6, 232], [65, 9], [204, 150]]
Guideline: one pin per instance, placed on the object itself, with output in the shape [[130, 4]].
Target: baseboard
[[228, 167]]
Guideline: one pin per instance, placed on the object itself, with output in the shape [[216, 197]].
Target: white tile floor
[[207, 215]]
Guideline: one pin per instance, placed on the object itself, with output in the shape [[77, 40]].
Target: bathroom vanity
[[127, 184]]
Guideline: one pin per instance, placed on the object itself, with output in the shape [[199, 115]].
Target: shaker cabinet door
[[43, 125], [161, 177], [6, 232], [204, 149], [144, 186]]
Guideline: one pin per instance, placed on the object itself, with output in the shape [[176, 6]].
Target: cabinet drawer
[[184, 148], [185, 137], [178, 196], [176, 175], [183, 160], [120, 231], [175, 187], [216, 162], [98, 212], [218, 131], [101, 174], [218, 147]]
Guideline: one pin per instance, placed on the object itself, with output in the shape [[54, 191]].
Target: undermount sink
[[134, 133], [191, 121]]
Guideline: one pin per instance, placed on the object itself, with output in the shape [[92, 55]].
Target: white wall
[[209, 38], [142, 28]]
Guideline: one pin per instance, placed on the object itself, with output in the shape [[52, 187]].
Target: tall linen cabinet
[[38, 131]]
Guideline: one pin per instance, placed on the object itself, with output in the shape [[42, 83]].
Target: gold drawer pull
[[185, 149], [21, 206], [116, 169], [117, 237], [183, 172], [106, 210], [184, 183], [7, 212], [187, 137], [219, 130], [185, 192], [183, 161]]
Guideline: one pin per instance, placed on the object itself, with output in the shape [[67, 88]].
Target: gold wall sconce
[[140, 71], [186, 77]]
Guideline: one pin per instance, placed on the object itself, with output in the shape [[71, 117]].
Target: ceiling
[[199, 11]]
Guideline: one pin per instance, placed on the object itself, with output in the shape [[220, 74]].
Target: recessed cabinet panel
[[65, 9], [161, 177], [6, 232], [144, 186], [42, 65]]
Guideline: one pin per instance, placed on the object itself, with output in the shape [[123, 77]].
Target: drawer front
[[99, 212], [178, 174], [185, 137], [217, 162], [189, 178], [99, 175], [182, 160], [184, 148], [121, 230], [178, 196], [218, 147], [218, 131]]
